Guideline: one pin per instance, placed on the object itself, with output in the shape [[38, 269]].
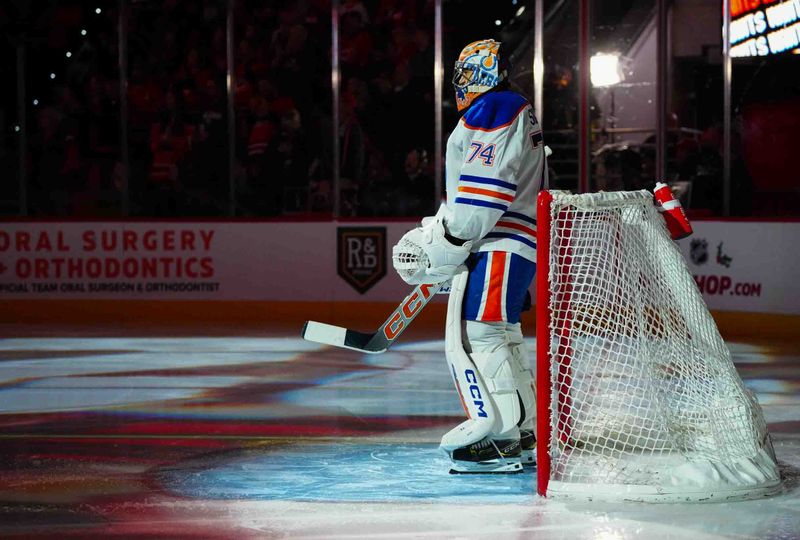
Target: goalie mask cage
[[638, 398]]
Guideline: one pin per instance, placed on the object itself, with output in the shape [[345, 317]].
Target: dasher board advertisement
[[738, 266], [745, 266], [199, 261]]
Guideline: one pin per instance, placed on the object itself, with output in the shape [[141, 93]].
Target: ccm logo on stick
[[409, 308], [475, 392], [394, 326]]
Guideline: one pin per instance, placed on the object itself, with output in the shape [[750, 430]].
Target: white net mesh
[[642, 385]]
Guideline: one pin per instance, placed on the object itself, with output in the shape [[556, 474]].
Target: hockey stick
[[388, 332]]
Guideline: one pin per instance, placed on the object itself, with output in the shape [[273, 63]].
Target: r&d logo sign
[[361, 256]]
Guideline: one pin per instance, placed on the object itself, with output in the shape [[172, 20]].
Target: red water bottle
[[672, 211]]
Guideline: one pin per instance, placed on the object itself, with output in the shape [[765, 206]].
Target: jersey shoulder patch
[[494, 110]]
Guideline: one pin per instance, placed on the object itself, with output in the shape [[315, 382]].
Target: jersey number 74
[[484, 152]]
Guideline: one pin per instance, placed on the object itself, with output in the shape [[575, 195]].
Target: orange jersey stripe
[[517, 226], [493, 312], [488, 193]]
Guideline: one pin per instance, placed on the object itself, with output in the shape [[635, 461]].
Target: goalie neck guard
[[477, 70]]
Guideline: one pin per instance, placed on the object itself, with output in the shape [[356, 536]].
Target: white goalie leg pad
[[526, 387], [492, 355], [474, 395], [523, 375]]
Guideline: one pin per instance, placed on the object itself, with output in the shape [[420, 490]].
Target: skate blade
[[528, 458], [488, 468]]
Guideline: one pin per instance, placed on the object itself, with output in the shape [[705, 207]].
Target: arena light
[[605, 69], [83, 32], [52, 76], [498, 22], [98, 11], [520, 11], [69, 54]]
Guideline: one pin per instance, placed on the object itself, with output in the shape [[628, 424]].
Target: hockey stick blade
[[388, 332], [337, 336]]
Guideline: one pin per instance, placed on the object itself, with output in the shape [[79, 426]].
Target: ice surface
[[353, 472], [317, 443]]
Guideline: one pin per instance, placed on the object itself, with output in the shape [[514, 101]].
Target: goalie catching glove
[[425, 255]]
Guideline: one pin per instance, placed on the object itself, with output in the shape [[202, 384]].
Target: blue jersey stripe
[[493, 110], [523, 217], [476, 202], [511, 236], [488, 181]]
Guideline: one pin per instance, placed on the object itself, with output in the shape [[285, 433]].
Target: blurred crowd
[[178, 136], [72, 95], [179, 133]]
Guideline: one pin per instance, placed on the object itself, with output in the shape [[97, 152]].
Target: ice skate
[[487, 456], [527, 444]]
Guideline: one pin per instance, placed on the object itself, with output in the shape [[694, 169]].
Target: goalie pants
[[496, 292], [497, 285]]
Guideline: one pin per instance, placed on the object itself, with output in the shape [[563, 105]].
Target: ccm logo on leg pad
[[475, 392]]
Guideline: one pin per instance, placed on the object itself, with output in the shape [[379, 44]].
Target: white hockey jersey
[[495, 167]]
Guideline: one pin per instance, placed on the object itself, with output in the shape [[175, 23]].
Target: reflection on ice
[[344, 472], [211, 447]]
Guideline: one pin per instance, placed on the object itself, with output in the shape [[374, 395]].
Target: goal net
[[638, 398]]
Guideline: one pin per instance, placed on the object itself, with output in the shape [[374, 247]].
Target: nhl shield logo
[[698, 251], [361, 256]]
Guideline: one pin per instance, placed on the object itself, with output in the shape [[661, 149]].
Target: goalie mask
[[478, 69]]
